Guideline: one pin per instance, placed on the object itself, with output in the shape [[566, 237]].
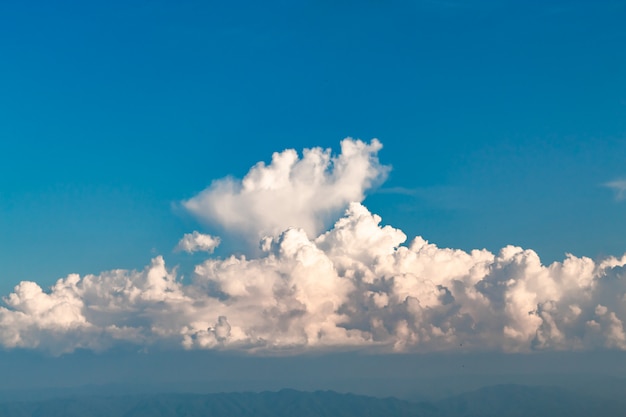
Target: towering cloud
[[307, 192], [357, 285]]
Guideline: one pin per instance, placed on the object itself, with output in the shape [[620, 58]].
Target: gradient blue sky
[[502, 119]]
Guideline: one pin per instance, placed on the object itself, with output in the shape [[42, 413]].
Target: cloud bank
[[358, 285]]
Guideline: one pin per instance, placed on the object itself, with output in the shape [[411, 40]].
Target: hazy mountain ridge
[[264, 404], [501, 401], [520, 400]]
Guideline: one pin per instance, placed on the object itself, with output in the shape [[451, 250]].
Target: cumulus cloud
[[291, 191], [198, 242], [355, 286], [619, 186], [359, 284]]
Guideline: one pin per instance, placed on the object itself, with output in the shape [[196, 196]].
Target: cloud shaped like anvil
[[355, 286]]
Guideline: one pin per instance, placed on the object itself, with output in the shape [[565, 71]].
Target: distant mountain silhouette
[[500, 401], [519, 400], [265, 404]]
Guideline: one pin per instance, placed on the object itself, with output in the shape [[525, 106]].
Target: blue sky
[[503, 122]]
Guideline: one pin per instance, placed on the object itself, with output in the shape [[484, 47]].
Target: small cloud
[[619, 186], [198, 242]]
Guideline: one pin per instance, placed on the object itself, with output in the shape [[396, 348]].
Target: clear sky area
[[207, 176]]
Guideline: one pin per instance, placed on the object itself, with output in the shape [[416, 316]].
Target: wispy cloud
[[398, 190], [619, 186], [442, 197]]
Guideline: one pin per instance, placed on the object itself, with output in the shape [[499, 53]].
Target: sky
[[208, 176]]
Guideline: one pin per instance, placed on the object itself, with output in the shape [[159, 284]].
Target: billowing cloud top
[[357, 285], [302, 192]]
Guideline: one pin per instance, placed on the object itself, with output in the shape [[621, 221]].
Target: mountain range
[[493, 401]]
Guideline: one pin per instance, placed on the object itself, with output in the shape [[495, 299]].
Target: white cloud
[[358, 284], [198, 242], [305, 192], [619, 186], [93, 312]]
